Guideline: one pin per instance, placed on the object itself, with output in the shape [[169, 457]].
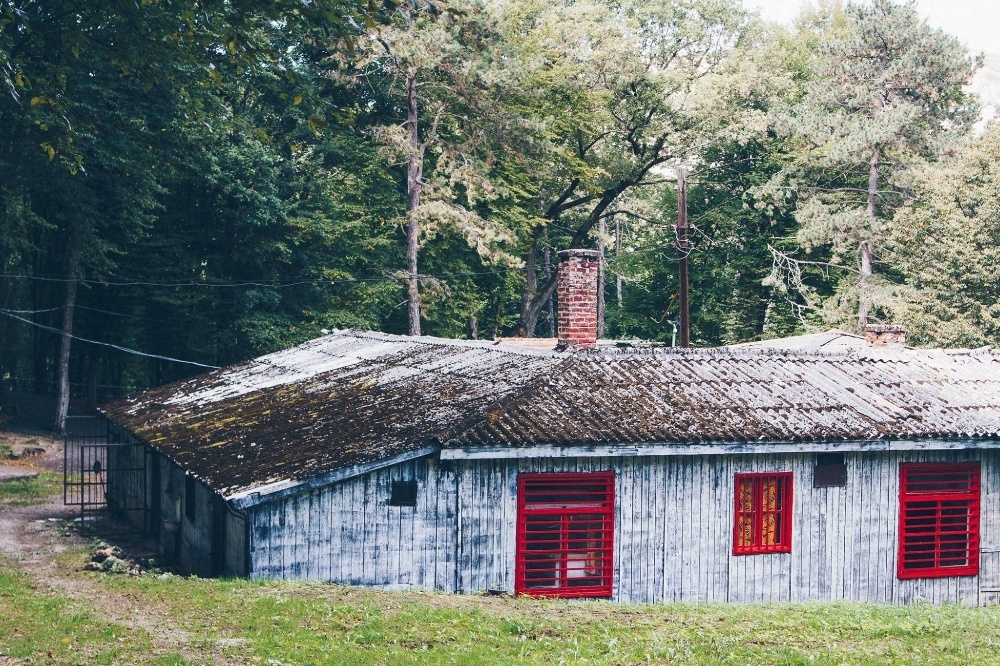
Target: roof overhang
[[710, 448], [277, 490]]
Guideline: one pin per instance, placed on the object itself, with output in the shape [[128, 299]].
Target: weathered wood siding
[[194, 546], [347, 532], [673, 530]]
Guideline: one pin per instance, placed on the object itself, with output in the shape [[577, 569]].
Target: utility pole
[[618, 251], [602, 230], [685, 250]]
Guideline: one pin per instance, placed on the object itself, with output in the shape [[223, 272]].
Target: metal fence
[[104, 474]]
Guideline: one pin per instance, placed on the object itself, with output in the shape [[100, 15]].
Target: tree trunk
[[529, 315], [414, 172], [550, 307], [865, 251], [69, 306]]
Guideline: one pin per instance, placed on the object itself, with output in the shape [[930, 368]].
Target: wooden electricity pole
[[684, 249]]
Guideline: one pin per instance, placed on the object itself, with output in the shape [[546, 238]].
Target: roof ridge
[[721, 352], [607, 352], [446, 342], [739, 351]]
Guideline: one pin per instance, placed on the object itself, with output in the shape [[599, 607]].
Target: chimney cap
[[578, 252]]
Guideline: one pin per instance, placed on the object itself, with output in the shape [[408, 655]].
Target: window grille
[[763, 515], [938, 520], [565, 534]]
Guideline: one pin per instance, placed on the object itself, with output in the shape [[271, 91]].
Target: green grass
[[309, 623], [30, 491], [323, 624], [39, 628]]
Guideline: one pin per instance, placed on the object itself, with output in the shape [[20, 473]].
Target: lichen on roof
[[352, 398]]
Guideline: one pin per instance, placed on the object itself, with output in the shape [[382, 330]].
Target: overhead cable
[[52, 329]]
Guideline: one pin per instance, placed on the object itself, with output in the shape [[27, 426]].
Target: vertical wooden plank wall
[[673, 532], [348, 533]]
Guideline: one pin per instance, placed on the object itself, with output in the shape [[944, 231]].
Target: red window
[[565, 534], [763, 520], [938, 520]]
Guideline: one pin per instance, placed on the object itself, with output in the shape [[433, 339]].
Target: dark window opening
[[404, 493], [938, 520], [830, 471], [190, 500], [565, 535], [763, 514]]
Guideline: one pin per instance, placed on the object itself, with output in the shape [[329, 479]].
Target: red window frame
[[762, 521], [939, 510], [565, 534]]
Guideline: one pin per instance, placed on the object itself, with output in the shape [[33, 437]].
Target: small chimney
[[577, 294], [885, 335]]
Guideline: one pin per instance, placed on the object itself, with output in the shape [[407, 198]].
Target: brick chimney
[[577, 297], [885, 335]]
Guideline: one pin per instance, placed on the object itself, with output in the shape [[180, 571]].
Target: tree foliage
[[885, 94], [206, 181], [946, 246]]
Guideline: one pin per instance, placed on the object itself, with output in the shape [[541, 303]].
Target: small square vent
[[404, 493], [831, 471]]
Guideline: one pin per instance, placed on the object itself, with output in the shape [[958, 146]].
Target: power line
[[127, 282], [106, 344], [37, 311], [84, 307]]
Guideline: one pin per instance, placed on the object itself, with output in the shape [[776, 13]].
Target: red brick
[[576, 291]]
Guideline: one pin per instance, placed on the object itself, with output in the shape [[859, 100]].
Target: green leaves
[[883, 94]]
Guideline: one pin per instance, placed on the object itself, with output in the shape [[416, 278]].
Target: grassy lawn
[[277, 624], [30, 491], [323, 624], [303, 623], [38, 628]]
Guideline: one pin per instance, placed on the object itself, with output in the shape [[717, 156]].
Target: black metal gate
[[104, 474]]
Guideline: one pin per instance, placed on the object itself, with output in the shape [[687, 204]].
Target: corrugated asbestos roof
[[354, 398]]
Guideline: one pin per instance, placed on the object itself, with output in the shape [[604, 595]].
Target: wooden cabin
[[825, 467]]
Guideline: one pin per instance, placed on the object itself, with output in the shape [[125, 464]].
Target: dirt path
[[33, 537], [32, 540]]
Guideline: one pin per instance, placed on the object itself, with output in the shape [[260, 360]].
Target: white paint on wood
[[673, 529]]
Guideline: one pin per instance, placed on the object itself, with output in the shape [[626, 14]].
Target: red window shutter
[[762, 520], [938, 520], [565, 534]]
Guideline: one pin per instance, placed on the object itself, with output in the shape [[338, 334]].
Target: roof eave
[[624, 450], [250, 497]]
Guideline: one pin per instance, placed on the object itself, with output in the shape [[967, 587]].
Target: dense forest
[[190, 183]]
